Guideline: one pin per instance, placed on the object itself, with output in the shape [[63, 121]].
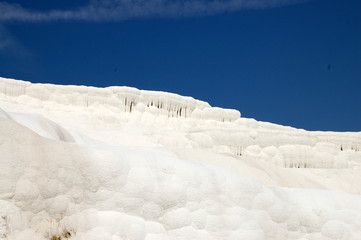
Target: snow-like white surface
[[122, 163]]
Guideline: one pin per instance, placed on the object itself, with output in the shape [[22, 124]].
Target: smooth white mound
[[97, 172]]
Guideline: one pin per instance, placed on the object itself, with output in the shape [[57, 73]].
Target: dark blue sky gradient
[[298, 65]]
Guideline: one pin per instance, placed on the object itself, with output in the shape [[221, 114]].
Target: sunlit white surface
[[122, 163]]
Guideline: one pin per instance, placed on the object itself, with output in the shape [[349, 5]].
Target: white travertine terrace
[[276, 144], [118, 163], [125, 99]]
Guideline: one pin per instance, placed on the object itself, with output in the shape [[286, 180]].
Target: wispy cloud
[[5, 39], [10, 46], [117, 10]]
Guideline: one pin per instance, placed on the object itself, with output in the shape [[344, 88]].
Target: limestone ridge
[[123, 99], [197, 124]]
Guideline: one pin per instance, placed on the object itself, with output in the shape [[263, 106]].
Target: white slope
[[120, 163]]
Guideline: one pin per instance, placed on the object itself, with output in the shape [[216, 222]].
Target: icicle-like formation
[[125, 99]]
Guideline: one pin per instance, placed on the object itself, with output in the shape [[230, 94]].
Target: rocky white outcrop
[[125, 99], [78, 169]]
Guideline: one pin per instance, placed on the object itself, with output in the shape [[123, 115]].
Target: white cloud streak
[[118, 10]]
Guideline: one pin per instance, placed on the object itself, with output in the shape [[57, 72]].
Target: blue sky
[[290, 62]]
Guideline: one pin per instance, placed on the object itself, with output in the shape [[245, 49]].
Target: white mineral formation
[[117, 163]]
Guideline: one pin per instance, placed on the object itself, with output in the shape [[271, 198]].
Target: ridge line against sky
[[290, 62], [118, 10]]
